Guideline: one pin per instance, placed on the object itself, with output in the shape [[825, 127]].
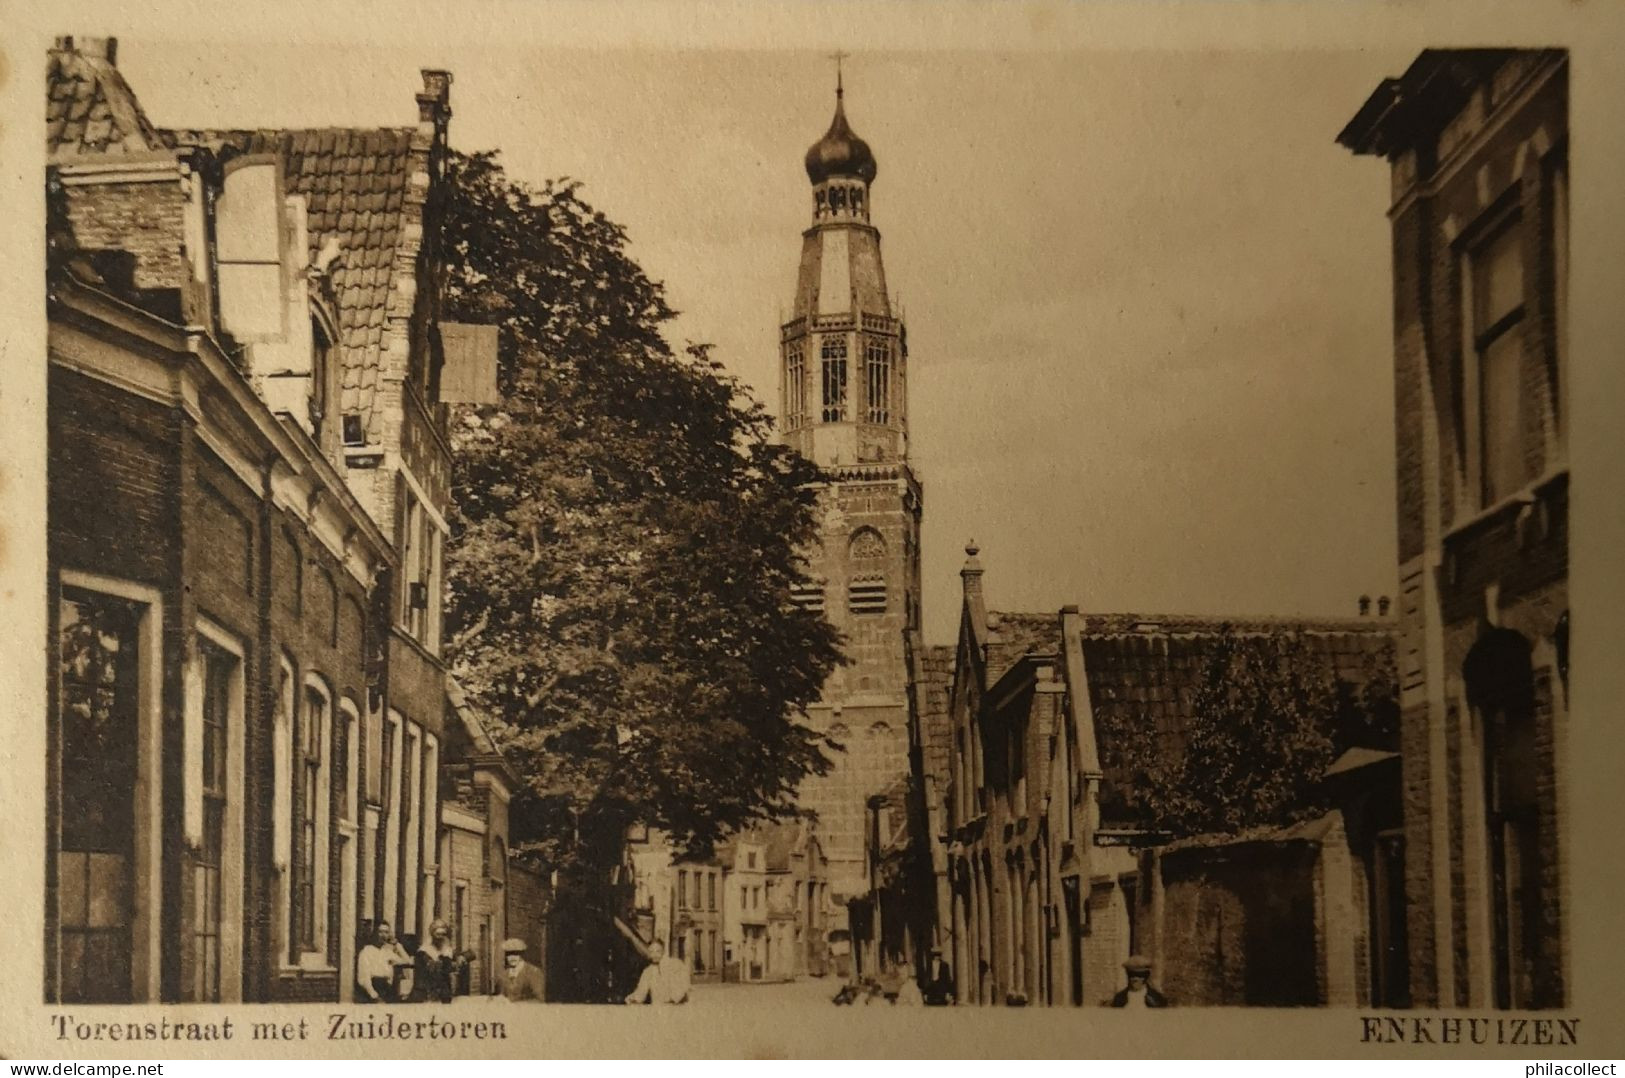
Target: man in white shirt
[[375, 966], [664, 980]]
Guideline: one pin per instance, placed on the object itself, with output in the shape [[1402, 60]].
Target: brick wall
[[132, 233], [168, 513], [416, 684], [124, 449], [1105, 942], [1238, 926]]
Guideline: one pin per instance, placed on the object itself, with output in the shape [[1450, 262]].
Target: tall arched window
[[877, 369], [833, 354], [795, 385], [1501, 692], [312, 745]]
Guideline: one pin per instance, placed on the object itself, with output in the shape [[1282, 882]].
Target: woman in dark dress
[[438, 965]]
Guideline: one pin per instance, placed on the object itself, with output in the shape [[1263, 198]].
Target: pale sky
[[1148, 297]]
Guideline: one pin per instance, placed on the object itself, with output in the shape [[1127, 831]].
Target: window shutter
[[249, 247], [431, 814], [192, 752], [282, 795]]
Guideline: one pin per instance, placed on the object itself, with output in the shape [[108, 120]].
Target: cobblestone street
[[809, 992]]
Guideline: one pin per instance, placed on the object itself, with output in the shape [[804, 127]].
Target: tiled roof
[[782, 841], [471, 723], [90, 109], [935, 684], [355, 183], [1147, 669], [1012, 635], [1312, 830]]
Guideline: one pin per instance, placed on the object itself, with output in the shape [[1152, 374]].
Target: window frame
[[147, 829], [229, 876], [312, 952], [389, 815], [834, 354], [877, 366], [1558, 201], [429, 817], [1480, 332], [795, 385], [411, 813]]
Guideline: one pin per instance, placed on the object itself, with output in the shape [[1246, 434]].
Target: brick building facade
[[247, 483], [1477, 145], [474, 868]]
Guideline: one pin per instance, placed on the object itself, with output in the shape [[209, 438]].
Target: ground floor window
[[219, 671], [99, 717]]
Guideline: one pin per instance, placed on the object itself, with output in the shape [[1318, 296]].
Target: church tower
[[844, 404]]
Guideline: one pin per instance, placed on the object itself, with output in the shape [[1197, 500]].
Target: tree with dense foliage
[[1269, 714], [624, 542]]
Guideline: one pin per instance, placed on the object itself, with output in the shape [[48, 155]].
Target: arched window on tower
[[833, 353], [795, 386], [866, 585], [877, 366]]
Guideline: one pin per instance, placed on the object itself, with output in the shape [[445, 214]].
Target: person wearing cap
[[938, 987], [520, 980], [1139, 992], [664, 980]]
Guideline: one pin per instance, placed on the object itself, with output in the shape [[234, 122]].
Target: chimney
[[971, 574], [434, 102], [1365, 606], [971, 578], [1382, 606], [93, 48]]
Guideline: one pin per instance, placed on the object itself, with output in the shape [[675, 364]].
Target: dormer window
[[321, 348]]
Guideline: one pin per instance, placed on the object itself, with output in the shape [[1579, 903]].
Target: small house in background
[[1054, 878], [475, 870]]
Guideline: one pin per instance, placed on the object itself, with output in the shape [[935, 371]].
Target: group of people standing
[[935, 987], [386, 973]]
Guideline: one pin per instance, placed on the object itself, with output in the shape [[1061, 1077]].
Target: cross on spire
[[838, 55]]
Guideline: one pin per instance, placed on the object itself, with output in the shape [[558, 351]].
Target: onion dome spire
[[840, 152]]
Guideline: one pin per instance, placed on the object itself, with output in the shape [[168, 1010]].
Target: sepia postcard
[[855, 529]]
